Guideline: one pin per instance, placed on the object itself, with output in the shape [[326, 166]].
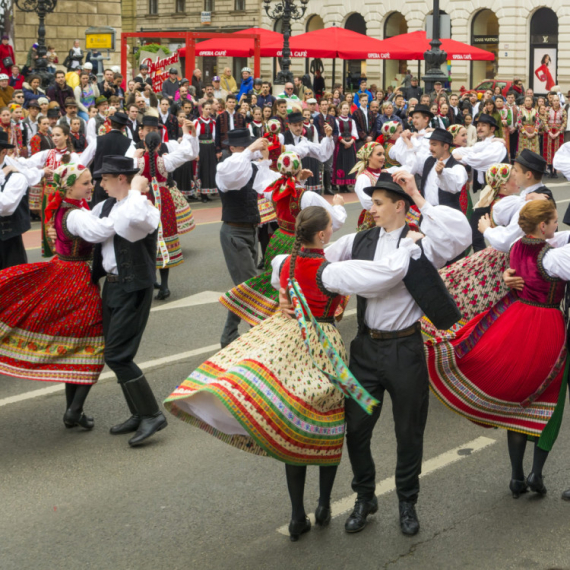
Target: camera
[[92, 77]]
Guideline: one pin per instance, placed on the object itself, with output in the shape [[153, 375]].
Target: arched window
[[354, 68], [314, 22], [543, 50], [485, 34], [394, 25]]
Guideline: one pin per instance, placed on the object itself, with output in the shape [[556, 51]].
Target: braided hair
[[152, 142], [308, 224]]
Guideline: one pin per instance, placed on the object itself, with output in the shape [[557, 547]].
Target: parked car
[[504, 84]]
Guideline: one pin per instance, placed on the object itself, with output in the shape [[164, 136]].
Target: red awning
[[412, 46], [238, 47]]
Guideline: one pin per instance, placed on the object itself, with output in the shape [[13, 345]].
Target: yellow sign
[[99, 41]]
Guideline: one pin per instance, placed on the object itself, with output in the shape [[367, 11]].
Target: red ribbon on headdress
[[284, 186], [380, 139], [274, 142]]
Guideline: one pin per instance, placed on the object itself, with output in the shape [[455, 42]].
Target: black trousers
[[124, 319], [12, 252], [513, 144], [399, 367], [478, 238]]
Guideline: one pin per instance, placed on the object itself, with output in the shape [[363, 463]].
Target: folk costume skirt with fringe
[[51, 326], [169, 228], [505, 368], [476, 284], [256, 299], [184, 217], [264, 394]]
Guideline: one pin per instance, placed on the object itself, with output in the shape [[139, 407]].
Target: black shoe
[[72, 420], [329, 192], [130, 425], [554, 175], [566, 495], [322, 515], [409, 519], [536, 484], [144, 402], [357, 519], [162, 294], [261, 265], [518, 487], [148, 427], [297, 528]]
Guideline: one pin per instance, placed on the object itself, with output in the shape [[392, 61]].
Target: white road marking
[[388, 485], [108, 375], [213, 348], [202, 298]]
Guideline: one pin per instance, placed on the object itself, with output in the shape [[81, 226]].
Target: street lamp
[[434, 57], [5, 9], [286, 10], [41, 8]]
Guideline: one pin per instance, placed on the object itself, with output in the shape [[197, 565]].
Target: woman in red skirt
[[50, 313], [506, 367]]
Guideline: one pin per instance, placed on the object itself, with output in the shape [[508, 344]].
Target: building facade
[[67, 23], [529, 38]]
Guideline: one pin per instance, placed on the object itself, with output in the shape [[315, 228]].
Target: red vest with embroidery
[[287, 209]]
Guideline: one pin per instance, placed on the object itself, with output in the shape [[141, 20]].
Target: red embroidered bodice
[[309, 266], [539, 288], [161, 174], [67, 246], [287, 209]]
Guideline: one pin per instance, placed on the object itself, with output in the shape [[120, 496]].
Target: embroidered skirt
[[51, 326], [315, 182], [256, 299], [476, 284], [343, 162], [206, 168], [169, 229], [184, 218], [263, 394], [550, 146], [500, 373], [184, 178], [35, 197], [266, 210]]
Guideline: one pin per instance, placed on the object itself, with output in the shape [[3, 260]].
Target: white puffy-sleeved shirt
[[39, 159], [303, 147], [359, 277], [266, 176], [482, 155], [506, 217], [13, 192], [234, 172], [133, 218], [363, 181], [561, 160], [447, 234], [556, 262], [419, 151]]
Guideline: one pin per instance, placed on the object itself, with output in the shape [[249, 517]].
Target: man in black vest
[[322, 119], [240, 214], [14, 210], [127, 260], [387, 353], [114, 143], [294, 140], [442, 177]]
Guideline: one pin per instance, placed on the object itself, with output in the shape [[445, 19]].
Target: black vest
[[288, 138], [113, 143], [136, 261], [17, 223], [422, 281], [240, 206], [445, 198]]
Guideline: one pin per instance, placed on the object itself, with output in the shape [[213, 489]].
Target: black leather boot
[[130, 425], [152, 419], [409, 522], [518, 487], [536, 484]]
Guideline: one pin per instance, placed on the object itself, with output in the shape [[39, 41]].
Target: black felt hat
[[116, 165], [385, 182], [239, 138], [53, 113], [532, 160], [295, 117], [441, 135], [424, 109], [150, 121], [119, 118], [484, 118]]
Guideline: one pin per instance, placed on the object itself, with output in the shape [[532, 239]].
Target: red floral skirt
[[504, 368], [51, 325], [169, 229]]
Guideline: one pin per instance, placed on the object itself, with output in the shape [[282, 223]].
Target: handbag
[[7, 62]]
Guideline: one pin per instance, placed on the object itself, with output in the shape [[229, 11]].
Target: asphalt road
[[85, 500]]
